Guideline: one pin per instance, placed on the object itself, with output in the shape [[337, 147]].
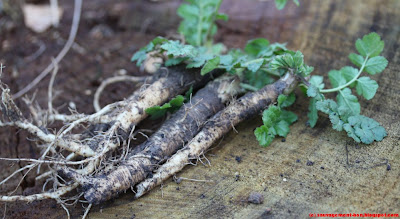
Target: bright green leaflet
[[345, 113]]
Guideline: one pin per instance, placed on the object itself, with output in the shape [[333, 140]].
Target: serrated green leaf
[[226, 60], [288, 116], [159, 111], [159, 40], [356, 59], [337, 123], [336, 79], [312, 91], [258, 79], [312, 113], [341, 77], [282, 128], [198, 24], [347, 102], [365, 129], [174, 61], [317, 81], [176, 49], [263, 135], [199, 61], [376, 65], [177, 101], [255, 65], [370, 45], [351, 132], [222, 16], [255, 46], [270, 115], [366, 87], [326, 106], [285, 101], [210, 65], [139, 57]]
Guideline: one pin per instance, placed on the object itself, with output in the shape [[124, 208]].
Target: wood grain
[[345, 177]]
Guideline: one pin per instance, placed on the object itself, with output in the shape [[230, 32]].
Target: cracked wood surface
[[344, 177]]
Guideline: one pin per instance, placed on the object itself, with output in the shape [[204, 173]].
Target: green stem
[[199, 25], [208, 35], [348, 83]]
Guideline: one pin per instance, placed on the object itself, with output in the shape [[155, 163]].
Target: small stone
[[256, 198], [238, 159], [101, 31]]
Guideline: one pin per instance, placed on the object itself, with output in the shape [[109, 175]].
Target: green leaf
[[282, 128], [376, 65], [159, 111], [285, 101], [326, 106], [199, 61], [255, 65], [280, 4], [312, 91], [366, 87], [356, 59], [198, 24], [288, 116], [158, 41], [370, 45], [174, 61], [364, 129], [210, 65], [258, 79], [222, 16], [312, 113], [317, 81], [341, 77], [139, 57], [337, 123], [347, 102], [263, 135], [188, 94], [176, 49], [254, 47], [270, 115]]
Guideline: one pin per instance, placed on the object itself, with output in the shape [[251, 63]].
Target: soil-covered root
[[174, 133], [244, 108]]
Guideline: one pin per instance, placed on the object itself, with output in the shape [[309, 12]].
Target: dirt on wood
[[311, 171]]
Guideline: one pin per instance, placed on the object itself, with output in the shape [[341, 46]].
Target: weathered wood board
[[345, 177]]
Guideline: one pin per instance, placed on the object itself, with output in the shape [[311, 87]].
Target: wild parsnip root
[[173, 134], [93, 148], [244, 108]]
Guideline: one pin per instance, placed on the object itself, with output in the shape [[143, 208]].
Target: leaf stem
[[348, 83]]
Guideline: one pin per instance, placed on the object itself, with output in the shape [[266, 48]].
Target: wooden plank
[[345, 177]]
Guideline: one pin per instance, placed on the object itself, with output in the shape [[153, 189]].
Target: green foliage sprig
[[344, 113]]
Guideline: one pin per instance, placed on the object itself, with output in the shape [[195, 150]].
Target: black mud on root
[[217, 126], [172, 135], [168, 83]]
